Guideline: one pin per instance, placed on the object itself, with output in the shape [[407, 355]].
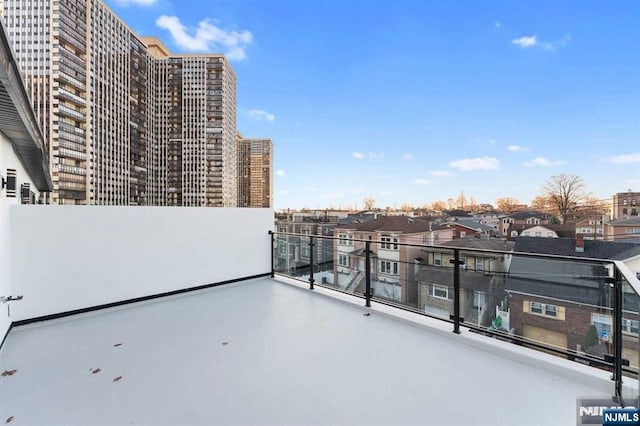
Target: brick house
[[482, 278], [556, 302], [623, 229], [391, 259]]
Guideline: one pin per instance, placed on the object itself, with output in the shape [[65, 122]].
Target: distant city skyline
[[419, 101]]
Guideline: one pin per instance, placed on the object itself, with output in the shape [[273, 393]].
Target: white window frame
[[388, 267], [437, 259], [345, 239], [479, 262], [443, 290], [387, 242], [627, 326], [603, 322], [343, 260]]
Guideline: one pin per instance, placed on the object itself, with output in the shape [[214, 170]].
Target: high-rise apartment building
[[255, 172], [126, 122]]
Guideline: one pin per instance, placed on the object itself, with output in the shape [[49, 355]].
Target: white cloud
[[525, 42], [260, 114], [135, 2], [421, 182], [357, 155], [625, 158], [492, 141], [208, 37], [517, 148], [408, 156], [532, 41], [481, 163], [376, 155], [440, 173], [497, 25], [281, 173], [543, 162]]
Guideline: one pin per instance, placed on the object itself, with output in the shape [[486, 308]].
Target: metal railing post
[[617, 333], [273, 254], [311, 281], [456, 291], [367, 274]]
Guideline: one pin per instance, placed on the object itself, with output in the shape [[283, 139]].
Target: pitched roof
[[481, 243], [527, 214], [404, 224], [472, 224], [611, 250]]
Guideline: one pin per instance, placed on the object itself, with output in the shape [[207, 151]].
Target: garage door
[[544, 335]]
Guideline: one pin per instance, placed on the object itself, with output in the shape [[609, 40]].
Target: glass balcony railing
[[581, 309]]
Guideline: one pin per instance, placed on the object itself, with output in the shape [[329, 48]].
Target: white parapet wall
[[65, 258]]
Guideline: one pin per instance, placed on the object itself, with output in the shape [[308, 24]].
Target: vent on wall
[[25, 193], [11, 183]]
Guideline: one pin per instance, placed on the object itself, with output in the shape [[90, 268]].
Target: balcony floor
[[265, 352]]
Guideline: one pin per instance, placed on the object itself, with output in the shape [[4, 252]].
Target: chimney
[[580, 243]]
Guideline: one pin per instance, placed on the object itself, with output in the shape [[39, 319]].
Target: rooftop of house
[[562, 230], [634, 221], [403, 224], [269, 352], [528, 214], [597, 249], [497, 244], [470, 223]]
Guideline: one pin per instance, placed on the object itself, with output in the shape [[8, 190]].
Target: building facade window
[[387, 267], [602, 322], [544, 309], [629, 326], [437, 259], [304, 250], [345, 239], [343, 260], [441, 292], [388, 243]]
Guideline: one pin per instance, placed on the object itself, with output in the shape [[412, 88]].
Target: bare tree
[[565, 193], [407, 208], [368, 203], [439, 205], [507, 204], [542, 203]]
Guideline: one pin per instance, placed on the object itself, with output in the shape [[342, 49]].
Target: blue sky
[[416, 101]]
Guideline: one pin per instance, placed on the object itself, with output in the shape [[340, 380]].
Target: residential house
[[482, 278], [556, 302], [592, 227], [391, 258], [545, 231], [523, 218], [623, 230], [465, 227]]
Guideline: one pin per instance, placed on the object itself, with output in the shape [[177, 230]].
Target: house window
[[544, 309], [602, 323], [345, 239], [551, 310], [387, 267], [388, 243], [463, 234], [549, 234], [629, 326], [343, 260], [536, 308], [479, 264], [282, 228], [441, 292], [437, 259], [282, 249], [305, 230], [478, 299], [304, 250]]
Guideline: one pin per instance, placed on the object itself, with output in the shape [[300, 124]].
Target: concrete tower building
[[125, 121], [255, 172]]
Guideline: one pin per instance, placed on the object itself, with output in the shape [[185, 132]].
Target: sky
[[417, 101]]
